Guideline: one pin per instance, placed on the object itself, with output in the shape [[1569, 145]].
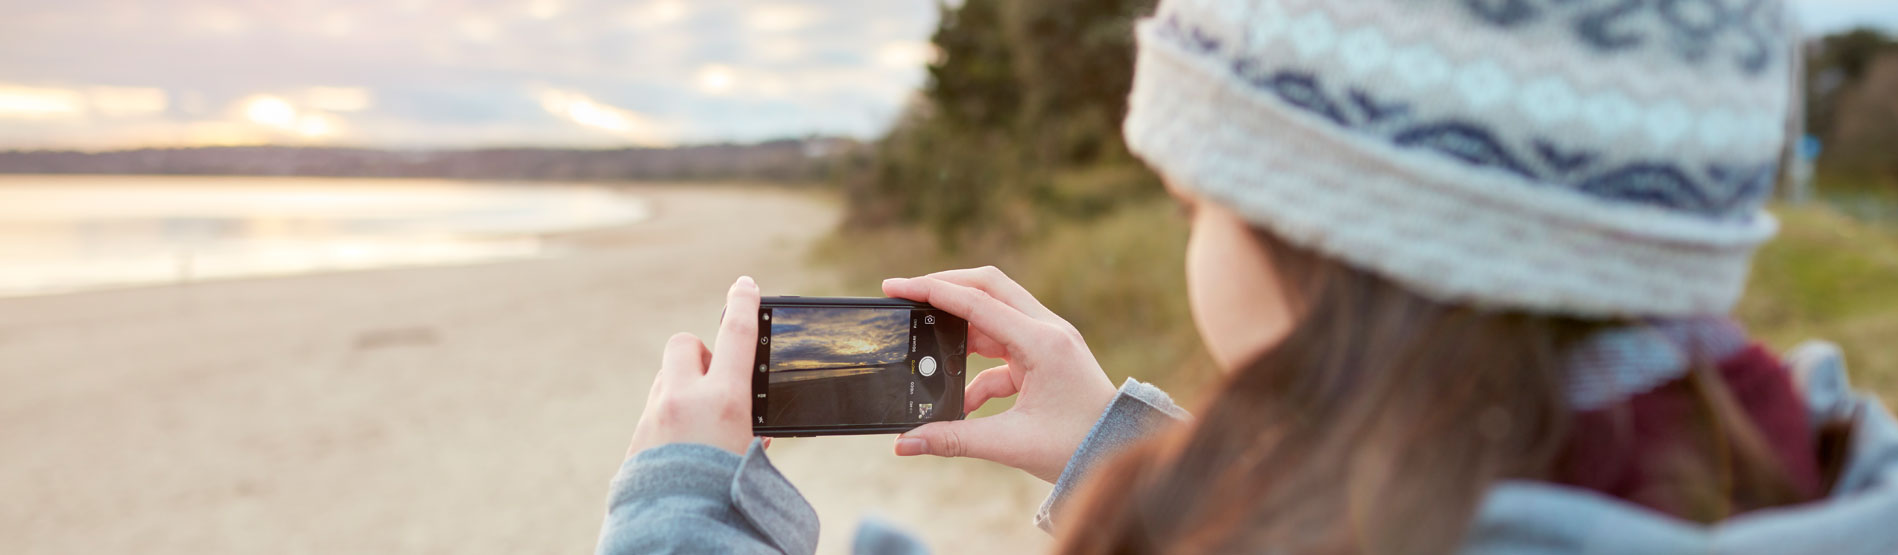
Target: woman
[[1465, 264]]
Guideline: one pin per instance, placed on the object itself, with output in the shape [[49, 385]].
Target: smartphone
[[847, 366]]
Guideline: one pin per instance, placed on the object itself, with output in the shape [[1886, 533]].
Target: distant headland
[[807, 159]]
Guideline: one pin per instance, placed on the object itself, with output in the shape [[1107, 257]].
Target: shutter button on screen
[[926, 366]]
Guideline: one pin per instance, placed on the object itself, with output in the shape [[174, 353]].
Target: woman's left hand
[[701, 396]]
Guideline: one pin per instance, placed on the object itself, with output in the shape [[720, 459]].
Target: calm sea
[[67, 233]]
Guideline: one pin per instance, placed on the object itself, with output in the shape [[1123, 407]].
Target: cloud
[[453, 73], [906, 53], [278, 118], [655, 13], [126, 101], [715, 79], [780, 16], [636, 128], [20, 102], [338, 99], [30, 103]]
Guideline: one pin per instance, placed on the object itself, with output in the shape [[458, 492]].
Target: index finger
[[737, 335], [991, 280], [1005, 324]]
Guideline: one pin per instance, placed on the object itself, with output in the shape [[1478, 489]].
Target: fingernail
[[892, 281], [906, 446], [747, 282]]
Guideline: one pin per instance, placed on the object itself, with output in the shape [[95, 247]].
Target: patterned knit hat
[[1591, 158]]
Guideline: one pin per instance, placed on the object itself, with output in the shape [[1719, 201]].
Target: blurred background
[[392, 275]]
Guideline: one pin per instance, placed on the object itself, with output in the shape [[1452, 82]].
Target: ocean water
[[69, 233]]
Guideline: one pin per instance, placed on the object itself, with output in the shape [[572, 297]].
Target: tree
[[1852, 104], [1019, 122]]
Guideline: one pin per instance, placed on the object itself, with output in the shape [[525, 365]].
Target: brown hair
[[1374, 426]]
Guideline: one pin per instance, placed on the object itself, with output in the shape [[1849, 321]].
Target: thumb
[[980, 438]]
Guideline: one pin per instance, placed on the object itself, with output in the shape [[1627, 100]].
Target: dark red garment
[[1630, 451]]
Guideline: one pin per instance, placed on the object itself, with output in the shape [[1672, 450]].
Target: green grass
[[1868, 199], [1120, 280], [1829, 276]]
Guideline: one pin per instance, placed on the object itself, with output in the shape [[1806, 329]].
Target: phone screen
[[841, 366]]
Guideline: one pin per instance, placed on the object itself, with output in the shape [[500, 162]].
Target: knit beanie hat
[[1595, 159]]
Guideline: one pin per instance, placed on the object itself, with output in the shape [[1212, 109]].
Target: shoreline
[[477, 409], [74, 234]]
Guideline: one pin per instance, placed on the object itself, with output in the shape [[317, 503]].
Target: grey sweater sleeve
[[691, 498], [1138, 411]]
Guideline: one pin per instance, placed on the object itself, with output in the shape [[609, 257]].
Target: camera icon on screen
[[929, 320]]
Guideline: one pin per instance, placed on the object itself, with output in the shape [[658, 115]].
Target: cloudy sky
[[805, 338], [98, 74]]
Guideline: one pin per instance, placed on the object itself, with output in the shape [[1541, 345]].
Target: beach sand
[[468, 409]]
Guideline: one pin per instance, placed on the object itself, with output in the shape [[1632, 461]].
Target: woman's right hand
[[1062, 388]]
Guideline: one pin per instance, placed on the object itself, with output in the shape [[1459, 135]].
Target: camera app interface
[[827, 366]]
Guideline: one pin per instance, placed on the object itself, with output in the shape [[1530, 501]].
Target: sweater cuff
[[674, 469], [772, 504], [749, 487], [1138, 411]]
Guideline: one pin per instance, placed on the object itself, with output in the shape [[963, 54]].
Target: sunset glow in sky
[[807, 338], [101, 74]]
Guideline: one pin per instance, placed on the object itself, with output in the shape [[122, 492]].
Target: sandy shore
[[474, 409]]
